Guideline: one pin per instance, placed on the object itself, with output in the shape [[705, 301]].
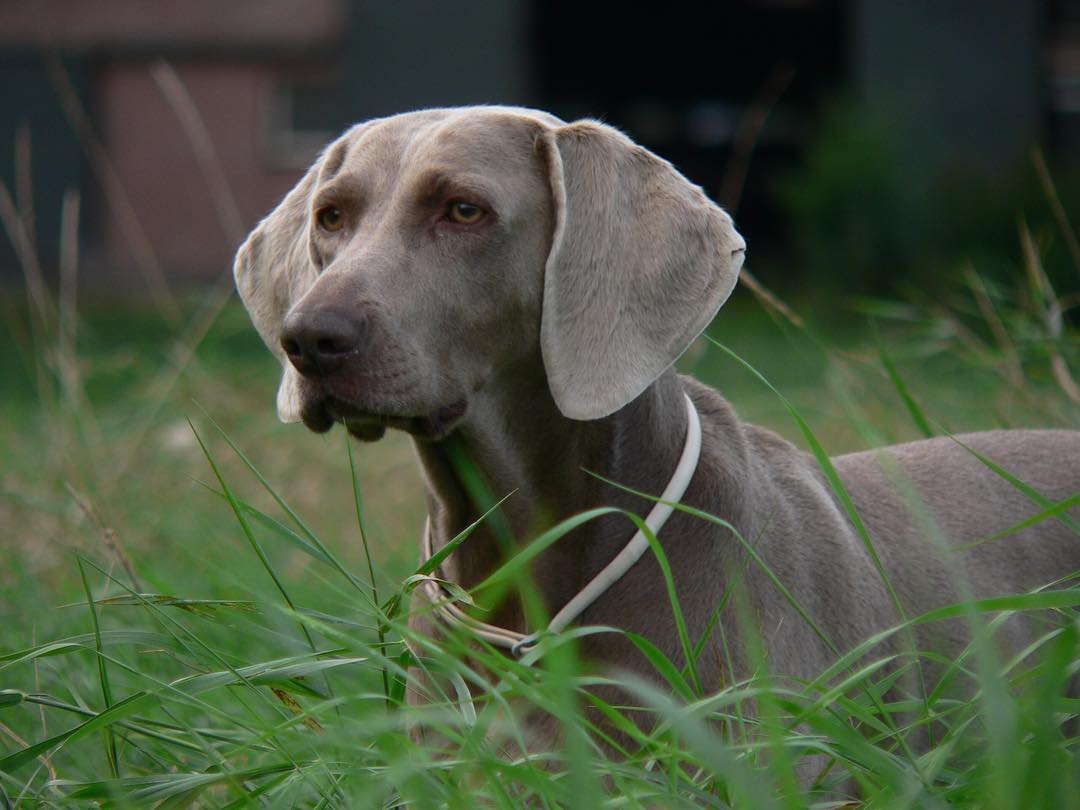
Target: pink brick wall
[[158, 168], [161, 22]]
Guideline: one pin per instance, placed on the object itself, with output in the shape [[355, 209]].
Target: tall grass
[[245, 643], [270, 697], [162, 704]]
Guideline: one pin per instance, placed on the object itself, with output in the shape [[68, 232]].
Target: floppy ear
[[273, 269], [640, 262]]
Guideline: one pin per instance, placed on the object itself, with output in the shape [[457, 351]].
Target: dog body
[[525, 285]]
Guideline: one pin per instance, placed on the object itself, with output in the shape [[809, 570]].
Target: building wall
[[232, 59], [149, 24], [158, 167], [957, 83]]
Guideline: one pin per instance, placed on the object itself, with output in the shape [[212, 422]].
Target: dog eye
[[330, 218], [464, 213]]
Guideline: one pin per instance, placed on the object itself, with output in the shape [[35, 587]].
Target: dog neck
[[547, 479]]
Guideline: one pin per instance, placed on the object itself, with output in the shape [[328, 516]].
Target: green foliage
[[855, 223]]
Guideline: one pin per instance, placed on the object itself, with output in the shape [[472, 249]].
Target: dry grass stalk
[[109, 536], [138, 242], [1058, 210], [1014, 372], [1050, 308]]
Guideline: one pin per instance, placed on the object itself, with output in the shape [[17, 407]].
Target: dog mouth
[[320, 414]]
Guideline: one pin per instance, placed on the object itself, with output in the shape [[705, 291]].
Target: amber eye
[[330, 218], [464, 213]]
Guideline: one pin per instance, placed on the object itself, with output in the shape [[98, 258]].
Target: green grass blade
[[1052, 511], [1043, 781], [358, 501], [514, 568], [246, 529], [147, 790], [103, 673], [1028, 491], [79, 643], [663, 666], [830, 472], [99, 722], [913, 409], [673, 600], [206, 607], [479, 491], [311, 536], [275, 526], [702, 743]]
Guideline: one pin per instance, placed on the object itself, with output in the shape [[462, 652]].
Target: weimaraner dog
[[525, 285]]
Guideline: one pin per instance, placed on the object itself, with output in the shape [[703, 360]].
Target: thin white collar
[[520, 643]]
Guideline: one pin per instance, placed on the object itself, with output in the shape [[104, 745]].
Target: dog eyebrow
[[345, 189], [437, 184]]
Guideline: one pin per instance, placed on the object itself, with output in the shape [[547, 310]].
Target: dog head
[[424, 254]]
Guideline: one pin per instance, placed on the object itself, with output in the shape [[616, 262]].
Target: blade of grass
[[663, 666], [830, 472], [479, 491], [436, 559], [203, 606], [146, 790], [1052, 511], [1042, 780], [78, 644], [701, 742], [116, 195], [913, 409], [103, 672], [358, 501], [355, 581], [246, 528], [1028, 491], [274, 525], [516, 565]]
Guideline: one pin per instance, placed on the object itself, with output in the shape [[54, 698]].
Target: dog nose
[[318, 343]]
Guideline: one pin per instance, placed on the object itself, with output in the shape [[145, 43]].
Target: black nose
[[318, 342]]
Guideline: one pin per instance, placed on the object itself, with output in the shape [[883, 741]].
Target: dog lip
[[368, 425], [316, 417], [366, 431]]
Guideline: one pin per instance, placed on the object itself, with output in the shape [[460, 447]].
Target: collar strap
[[521, 643]]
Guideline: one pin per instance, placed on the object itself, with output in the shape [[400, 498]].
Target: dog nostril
[[328, 346], [291, 347]]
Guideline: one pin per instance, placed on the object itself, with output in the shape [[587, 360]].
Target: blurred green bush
[[865, 220]]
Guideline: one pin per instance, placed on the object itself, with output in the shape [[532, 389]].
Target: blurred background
[[861, 143], [904, 173]]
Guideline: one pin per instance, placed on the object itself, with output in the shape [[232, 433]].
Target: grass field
[[158, 651]]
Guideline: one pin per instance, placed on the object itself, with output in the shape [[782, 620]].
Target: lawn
[[228, 663]]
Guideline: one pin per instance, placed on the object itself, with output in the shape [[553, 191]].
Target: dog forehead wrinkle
[[334, 160], [377, 153], [481, 139], [472, 139]]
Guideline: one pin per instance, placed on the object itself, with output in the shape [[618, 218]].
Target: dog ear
[[273, 269], [640, 262]]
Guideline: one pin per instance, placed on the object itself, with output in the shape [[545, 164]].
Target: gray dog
[[525, 285]]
